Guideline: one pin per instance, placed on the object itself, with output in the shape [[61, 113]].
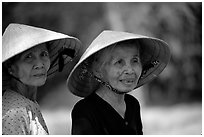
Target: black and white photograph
[[101, 68]]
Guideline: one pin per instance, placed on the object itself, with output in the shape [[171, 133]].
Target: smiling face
[[32, 65], [122, 67]]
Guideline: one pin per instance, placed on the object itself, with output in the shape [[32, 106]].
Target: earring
[[10, 72], [99, 75]]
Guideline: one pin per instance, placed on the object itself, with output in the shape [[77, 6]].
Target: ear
[[11, 71], [97, 73]]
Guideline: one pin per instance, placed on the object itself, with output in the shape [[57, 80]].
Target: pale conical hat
[[155, 58], [18, 38]]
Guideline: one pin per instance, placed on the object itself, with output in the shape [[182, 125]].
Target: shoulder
[[13, 102], [132, 100], [83, 106], [14, 114]]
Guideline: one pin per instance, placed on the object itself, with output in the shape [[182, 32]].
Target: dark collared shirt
[[93, 115]]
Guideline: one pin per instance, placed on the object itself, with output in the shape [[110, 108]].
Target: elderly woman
[[30, 55], [113, 65]]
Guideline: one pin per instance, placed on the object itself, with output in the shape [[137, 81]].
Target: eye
[[119, 61], [28, 56], [45, 54], [135, 60]]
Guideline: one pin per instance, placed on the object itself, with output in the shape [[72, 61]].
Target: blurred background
[[170, 104]]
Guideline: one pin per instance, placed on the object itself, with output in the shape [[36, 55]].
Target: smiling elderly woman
[[30, 55], [113, 65]]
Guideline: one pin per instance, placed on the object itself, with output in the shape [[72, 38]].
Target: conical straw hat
[[155, 58], [18, 38]]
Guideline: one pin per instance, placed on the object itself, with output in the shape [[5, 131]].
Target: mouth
[[128, 81], [39, 75]]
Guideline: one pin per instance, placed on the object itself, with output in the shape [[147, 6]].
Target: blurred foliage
[[179, 24]]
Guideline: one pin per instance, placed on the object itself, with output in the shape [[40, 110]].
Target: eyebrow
[[136, 55]]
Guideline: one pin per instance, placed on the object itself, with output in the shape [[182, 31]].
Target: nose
[[38, 64], [128, 69]]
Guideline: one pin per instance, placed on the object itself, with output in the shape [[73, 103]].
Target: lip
[[39, 75], [128, 81]]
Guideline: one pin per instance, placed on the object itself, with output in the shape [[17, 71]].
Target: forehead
[[39, 47], [126, 48], [121, 50]]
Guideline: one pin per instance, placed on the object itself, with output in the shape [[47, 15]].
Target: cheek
[[47, 64], [23, 72], [138, 70], [111, 74]]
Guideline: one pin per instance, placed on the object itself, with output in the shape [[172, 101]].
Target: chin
[[39, 83], [126, 89]]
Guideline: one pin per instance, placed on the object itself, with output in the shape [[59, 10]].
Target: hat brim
[[56, 46], [155, 50], [25, 37]]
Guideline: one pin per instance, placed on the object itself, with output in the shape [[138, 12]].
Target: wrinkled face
[[32, 65], [123, 67]]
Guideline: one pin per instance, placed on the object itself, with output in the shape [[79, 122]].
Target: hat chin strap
[[109, 86], [61, 52], [16, 78]]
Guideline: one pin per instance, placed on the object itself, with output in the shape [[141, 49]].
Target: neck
[[110, 96], [27, 91], [117, 101]]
